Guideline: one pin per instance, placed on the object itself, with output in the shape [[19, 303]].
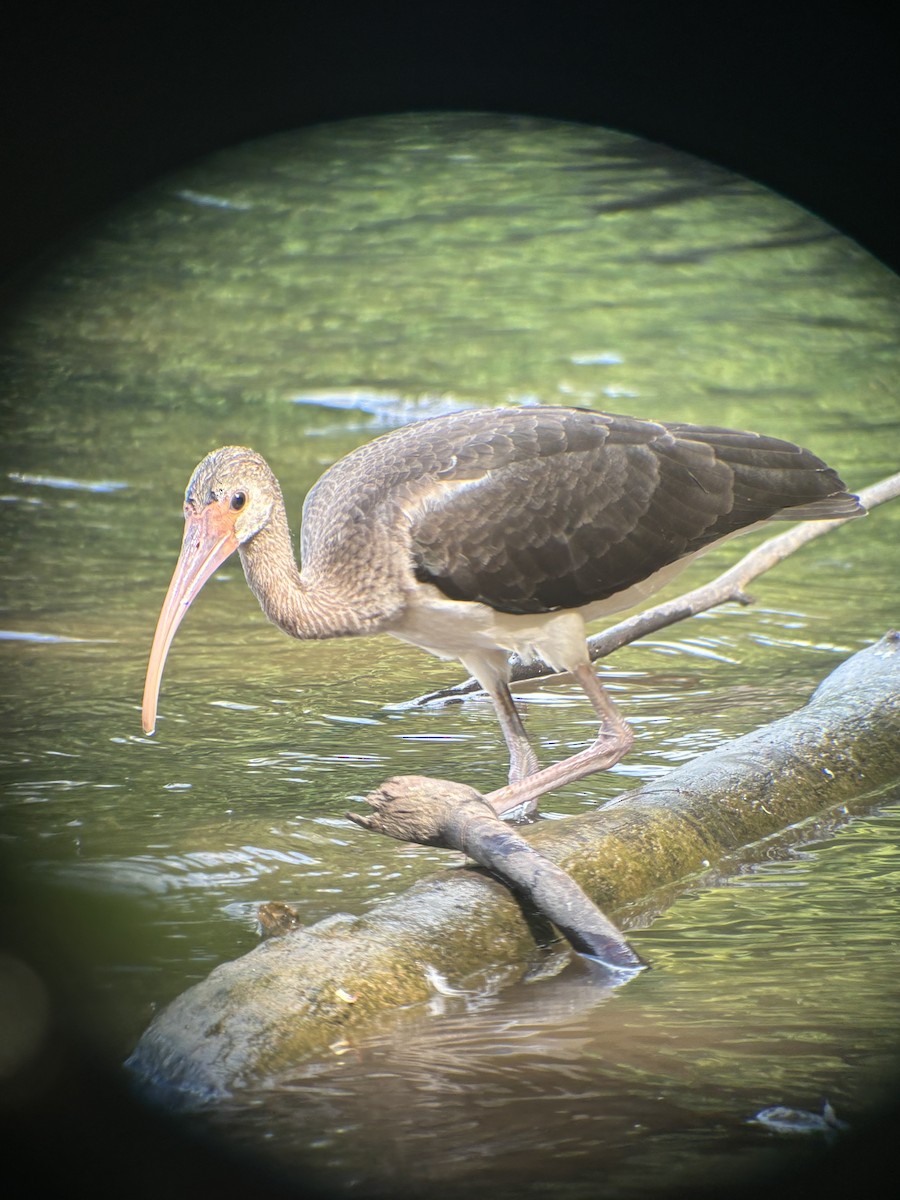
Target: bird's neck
[[301, 607]]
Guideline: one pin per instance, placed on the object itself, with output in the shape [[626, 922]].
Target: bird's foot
[[521, 798], [524, 765], [522, 759]]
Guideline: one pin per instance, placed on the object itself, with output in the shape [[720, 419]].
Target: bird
[[482, 533]]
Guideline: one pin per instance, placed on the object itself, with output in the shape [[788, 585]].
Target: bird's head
[[230, 498], [232, 493]]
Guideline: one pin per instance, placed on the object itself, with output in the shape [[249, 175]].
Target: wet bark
[[296, 994], [438, 812]]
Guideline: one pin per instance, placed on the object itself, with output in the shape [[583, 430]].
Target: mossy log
[[438, 812], [296, 994]]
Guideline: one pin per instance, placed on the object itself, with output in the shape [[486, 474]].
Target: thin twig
[[729, 586]]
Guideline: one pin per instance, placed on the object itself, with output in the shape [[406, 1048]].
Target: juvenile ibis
[[481, 533]]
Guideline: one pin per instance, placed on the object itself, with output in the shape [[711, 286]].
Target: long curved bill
[[209, 539]]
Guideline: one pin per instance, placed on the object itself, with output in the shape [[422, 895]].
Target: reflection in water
[[300, 294]]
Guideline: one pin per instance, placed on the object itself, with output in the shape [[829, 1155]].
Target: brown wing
[[535, 509]]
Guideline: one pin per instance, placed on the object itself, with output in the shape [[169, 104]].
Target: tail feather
[[837, 507]]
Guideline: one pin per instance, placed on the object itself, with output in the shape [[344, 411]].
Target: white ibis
[[482, 533]]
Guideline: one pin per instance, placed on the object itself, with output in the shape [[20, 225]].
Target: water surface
[[302, 294]]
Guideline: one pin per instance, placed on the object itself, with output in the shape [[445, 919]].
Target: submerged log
[[296, 994]]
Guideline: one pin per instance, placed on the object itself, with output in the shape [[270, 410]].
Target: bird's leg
[[613, 726], [613, 741], [491, 669], [522, 758]]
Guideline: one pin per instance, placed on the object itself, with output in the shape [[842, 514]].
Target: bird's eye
[[238, 500]]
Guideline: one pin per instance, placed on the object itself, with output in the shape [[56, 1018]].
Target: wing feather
[[597, 503], [534, 509]]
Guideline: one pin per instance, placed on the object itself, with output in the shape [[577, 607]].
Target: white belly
[[482, 639], [461, 629]]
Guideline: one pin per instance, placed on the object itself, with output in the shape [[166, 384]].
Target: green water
[[302, 294]]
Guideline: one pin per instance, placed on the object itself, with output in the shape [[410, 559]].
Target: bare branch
[[729, 586]]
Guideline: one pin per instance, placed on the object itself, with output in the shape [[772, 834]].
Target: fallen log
[[438, 812], [296, 994]]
